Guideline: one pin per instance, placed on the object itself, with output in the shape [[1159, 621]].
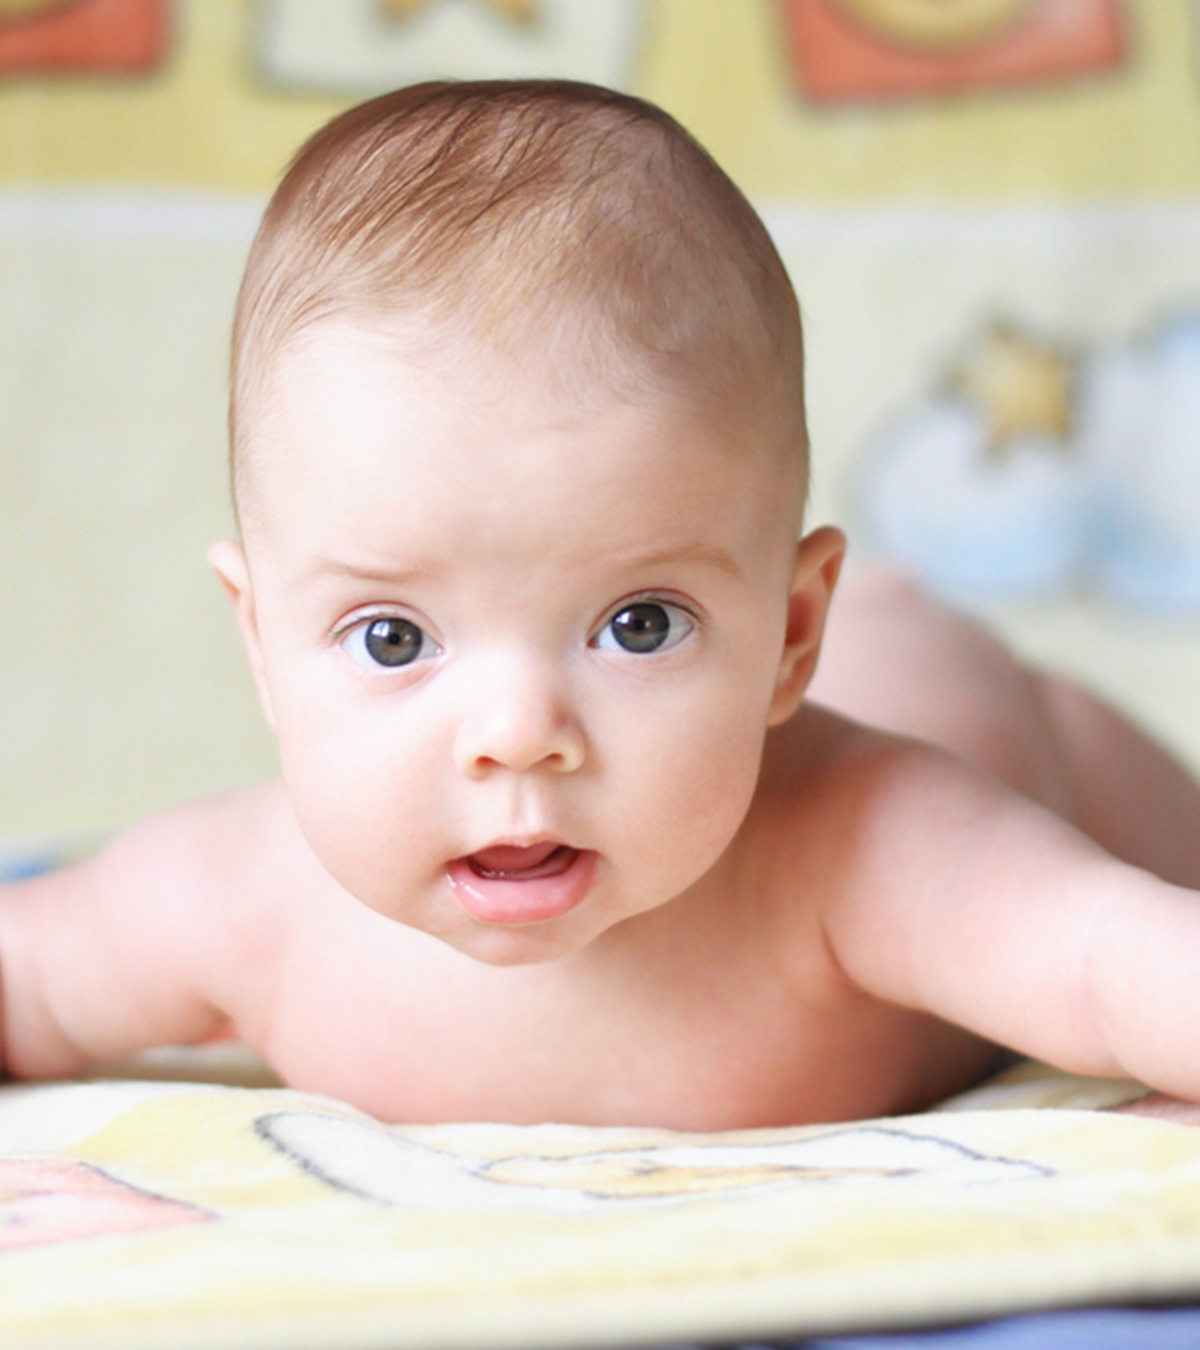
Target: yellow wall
[[1132, 131], [205, 122]]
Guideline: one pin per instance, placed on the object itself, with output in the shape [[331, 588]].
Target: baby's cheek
[[723, 779], [695, 794], [359, 807]]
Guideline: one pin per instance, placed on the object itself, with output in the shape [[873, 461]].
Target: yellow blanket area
[[152, 1212]]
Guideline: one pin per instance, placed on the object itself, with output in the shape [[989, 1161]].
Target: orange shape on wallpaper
[[84, 36], [859, 50]]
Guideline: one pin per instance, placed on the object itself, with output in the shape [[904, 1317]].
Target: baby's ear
[[818, 562], [228, 561]]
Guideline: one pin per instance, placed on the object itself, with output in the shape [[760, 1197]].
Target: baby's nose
[[517, 719]]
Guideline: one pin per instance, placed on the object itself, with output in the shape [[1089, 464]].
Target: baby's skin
[[566, 828]]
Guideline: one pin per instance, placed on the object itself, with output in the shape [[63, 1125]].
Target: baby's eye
[[646, 626], [388, 642]]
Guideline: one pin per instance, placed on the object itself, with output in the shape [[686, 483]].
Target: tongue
[[507, 859]]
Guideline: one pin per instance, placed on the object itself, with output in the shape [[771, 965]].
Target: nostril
[[490, 763], [518, 733]]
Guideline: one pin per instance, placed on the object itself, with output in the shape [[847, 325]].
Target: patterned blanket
[[162, 1210]]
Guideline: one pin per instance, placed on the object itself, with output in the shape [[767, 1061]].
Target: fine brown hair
[[534, 217]]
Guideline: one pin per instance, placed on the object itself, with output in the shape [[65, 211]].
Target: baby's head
[[575, 232], [519, 451]]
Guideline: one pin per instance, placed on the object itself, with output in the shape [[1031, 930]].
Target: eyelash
[[672, 605], [361, 624]]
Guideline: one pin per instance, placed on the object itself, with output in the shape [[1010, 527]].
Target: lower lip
[[518, 900]]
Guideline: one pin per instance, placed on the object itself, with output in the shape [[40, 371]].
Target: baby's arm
[[957, 896], [106, 958]]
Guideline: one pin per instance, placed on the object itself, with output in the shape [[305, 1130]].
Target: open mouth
[[522, 883], [506, 862]]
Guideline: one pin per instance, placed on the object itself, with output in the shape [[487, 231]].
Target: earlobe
[[228, 561], [818, 563]]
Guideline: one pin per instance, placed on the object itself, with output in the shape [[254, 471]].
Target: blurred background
[[991, 209]]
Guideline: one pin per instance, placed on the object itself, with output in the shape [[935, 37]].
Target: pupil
[[642, 628], [393, 642]]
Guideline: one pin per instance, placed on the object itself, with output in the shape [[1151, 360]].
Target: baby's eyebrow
[[707, 554], [321, 569], [400, 574]]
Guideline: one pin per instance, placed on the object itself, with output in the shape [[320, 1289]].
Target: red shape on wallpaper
[[863, 50], [82, 36]]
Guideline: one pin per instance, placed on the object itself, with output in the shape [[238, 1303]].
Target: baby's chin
[[526, 944], [498, 944], [517, 947]]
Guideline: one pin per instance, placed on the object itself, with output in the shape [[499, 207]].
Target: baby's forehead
[[564, 363], [457, 407]]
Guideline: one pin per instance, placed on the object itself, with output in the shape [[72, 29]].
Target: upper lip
[[521, 841]]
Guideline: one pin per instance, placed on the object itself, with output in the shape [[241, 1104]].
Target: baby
[[566, 828]]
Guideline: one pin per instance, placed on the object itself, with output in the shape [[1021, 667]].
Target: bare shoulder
[[873, 834], [827, 776], [177, 865], [928, 883], [207, 846], [828, 791], [223, 876]]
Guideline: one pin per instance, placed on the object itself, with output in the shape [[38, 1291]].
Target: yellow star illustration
[[515, 11], [1022, 386]]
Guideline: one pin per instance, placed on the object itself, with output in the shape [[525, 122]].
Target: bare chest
[[709, 1038]]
